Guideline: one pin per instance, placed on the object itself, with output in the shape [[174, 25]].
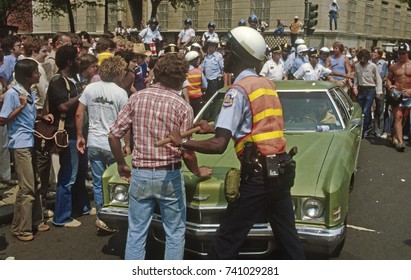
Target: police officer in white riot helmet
[[213, 67], [290, 59], [267, 171]]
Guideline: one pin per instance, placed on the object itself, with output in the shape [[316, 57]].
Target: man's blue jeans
[[279, 31], [333, 17], [167, 188], [100, 159], [365, 99], [69, 164]]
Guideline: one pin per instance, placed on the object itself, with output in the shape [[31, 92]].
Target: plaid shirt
[[153, 113]]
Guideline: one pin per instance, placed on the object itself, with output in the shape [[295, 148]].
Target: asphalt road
[[379, 218]]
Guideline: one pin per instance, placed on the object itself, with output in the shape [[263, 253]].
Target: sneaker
[[51, 195], [25, 238], [43, 227], [73, 224], [405, 137], [47, 213], [377, 135], [101, 226], [384, 136], [93, 211], [400, 147]]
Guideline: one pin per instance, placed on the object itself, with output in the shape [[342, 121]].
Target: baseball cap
[[403, 47]]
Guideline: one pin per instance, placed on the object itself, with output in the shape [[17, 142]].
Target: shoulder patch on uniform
[[229, 98]]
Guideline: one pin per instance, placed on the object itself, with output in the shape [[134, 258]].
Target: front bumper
[[260, 241]]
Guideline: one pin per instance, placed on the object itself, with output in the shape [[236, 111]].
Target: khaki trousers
[[27, 208]]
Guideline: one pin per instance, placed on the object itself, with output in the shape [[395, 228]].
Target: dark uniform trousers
[[259, 196], [212, 87]]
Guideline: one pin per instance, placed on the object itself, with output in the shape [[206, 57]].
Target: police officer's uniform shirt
[[308, 73], [299, 60], [235, 114], [208, 35], [149, 35], [272, 70], [213, 65], [289, 62], [186, 34]]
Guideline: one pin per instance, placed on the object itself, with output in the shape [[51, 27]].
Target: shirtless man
[[399, 76]]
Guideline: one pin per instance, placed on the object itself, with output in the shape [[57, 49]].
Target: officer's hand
[[205, 127], [175, 138]]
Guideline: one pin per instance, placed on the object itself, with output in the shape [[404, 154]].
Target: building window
[[191, 12], [352, 16], [55, 26], [397, 20], [112, 16], [369, 14], [91, 19], [162, 15], [223, 14], [384, 19], [408, 30], [261, 8]]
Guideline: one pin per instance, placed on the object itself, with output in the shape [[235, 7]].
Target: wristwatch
[[183, 141]]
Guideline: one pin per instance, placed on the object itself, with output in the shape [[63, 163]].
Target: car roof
[[304, 85]]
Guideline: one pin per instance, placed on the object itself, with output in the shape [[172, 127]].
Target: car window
[[343, 104], [212, 109], [309, 111]]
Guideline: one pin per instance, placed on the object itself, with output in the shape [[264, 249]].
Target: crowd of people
[[112, 92]]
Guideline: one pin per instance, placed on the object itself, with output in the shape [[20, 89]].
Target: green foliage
[[10, 10], [174, 3], [406, 2], [48, 8]]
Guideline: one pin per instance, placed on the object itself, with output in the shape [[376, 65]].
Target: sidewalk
[[7, 199]]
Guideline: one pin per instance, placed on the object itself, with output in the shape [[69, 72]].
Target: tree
[[174, 3], [11, 12], [406, 1], [49, 8]]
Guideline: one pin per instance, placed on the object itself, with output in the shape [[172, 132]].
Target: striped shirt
[[153, 113]]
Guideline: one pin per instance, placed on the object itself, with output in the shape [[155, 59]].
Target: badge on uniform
[[229, 98]]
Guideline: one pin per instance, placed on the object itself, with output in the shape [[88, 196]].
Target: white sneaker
[[47, 213], [384, 136], [73, 224]]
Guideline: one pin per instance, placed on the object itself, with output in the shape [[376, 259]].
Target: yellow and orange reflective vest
[[194, 83], [267, 123]]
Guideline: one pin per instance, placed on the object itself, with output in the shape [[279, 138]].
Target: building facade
[[360, 22]]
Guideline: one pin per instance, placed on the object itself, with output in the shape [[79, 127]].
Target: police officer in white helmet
[[267, 171], [290, 59]]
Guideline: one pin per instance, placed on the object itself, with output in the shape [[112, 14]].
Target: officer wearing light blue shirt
[[213, 66]]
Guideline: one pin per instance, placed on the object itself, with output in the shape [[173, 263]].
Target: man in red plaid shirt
[[156, 174]]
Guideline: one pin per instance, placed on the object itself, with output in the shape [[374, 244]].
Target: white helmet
[[302, 48], [191, 55], [299, 42], [196, 45], [213, 40], [325, 50], [247, 43]]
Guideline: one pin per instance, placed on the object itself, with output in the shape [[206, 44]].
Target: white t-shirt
[[103, 100]]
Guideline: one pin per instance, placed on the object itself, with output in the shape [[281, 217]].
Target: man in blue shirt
[[213, 66], [19, 113]]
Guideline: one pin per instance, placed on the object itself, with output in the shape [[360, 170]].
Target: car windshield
[[302, 111]]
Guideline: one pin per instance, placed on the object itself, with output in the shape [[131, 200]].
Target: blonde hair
[[111, 68]]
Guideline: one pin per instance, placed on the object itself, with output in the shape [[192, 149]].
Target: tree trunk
[[154, 4], [71, 17]]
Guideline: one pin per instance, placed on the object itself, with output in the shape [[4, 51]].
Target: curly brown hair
[[170, 71], [111, 68]]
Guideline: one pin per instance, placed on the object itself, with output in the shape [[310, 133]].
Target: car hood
[[312, 151]]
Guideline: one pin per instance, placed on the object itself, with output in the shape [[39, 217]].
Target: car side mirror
[[355, 123]]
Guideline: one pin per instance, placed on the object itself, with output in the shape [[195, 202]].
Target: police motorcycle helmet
[[242, 22], [301, 49], [211, 24], [252, 18], [188, 21], [299, 42], [153, 21], [324, 50], [213, 40], [247, 45], [191, 55]]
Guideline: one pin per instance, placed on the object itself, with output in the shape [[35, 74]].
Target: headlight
[[312, 209], [119, 194]]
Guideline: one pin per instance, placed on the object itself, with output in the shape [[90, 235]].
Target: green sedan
[[323, 123]]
